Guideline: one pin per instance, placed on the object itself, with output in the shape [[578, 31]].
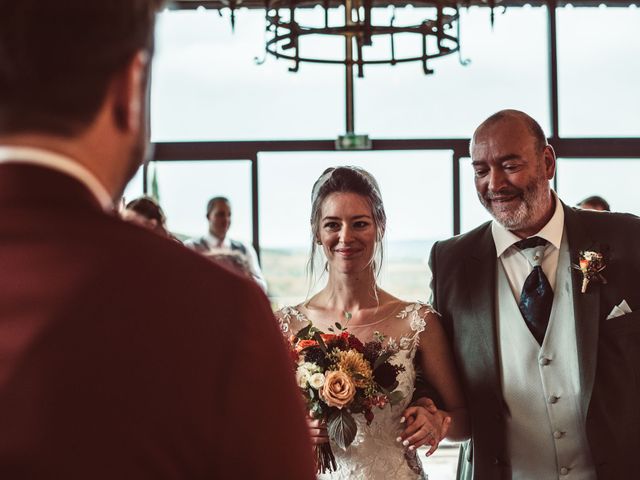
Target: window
[[598, 70], [508, 69], [472, 213], [185, 187], [207, 85], [616, 180], [134, 188]]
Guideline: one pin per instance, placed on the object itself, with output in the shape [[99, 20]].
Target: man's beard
[[532, 205]]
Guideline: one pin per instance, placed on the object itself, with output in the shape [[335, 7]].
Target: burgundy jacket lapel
[[22, 184]]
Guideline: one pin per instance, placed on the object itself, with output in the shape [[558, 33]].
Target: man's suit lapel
[[24, 183], [480, 266], [586, 306]]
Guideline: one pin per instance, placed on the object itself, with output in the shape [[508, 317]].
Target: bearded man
[[549, 354]]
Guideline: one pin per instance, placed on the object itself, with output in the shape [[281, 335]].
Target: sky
[[207, 85]]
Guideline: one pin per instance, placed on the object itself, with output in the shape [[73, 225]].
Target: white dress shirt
[[59, 163], [515, 264]]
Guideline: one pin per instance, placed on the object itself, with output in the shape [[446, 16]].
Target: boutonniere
[[590, 264]]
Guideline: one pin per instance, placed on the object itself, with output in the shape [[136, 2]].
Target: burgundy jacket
[[124, 355]]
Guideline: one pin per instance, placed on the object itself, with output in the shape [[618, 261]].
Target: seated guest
[[594, 203], [219, 216], [145, 212]]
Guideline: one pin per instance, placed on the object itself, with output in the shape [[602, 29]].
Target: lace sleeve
[[417, 314], [290, 321]]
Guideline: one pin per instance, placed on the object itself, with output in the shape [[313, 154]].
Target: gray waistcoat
[[541, 386]]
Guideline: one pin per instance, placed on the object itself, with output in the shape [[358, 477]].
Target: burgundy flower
[[385, 375]]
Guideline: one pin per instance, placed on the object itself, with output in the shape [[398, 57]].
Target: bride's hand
[[317, 431], [426, 425]]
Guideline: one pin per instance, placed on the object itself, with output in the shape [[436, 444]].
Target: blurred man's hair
[[57, 58]]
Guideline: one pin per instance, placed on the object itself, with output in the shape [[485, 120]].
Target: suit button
[[496, 461], [558, 434], [553, 399], [544, 361], [564, 471]]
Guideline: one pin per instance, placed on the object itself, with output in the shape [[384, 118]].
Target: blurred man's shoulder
[[161, 264]]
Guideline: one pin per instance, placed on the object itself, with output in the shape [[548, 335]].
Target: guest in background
[[219, 216], [145, 212], [594, 202]]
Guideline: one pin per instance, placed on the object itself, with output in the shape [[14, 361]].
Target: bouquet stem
[[325, 460]]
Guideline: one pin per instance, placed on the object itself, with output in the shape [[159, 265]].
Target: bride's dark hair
[[346, 179]]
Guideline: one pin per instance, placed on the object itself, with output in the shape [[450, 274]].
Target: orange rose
[[338, 389], [302, 344], [328, 337]]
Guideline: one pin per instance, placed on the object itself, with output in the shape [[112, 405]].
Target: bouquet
[[339, 376]]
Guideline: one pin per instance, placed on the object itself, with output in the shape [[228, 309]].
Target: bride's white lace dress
[[375, 454]]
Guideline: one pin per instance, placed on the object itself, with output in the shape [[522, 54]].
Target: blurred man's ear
[[129, 90]]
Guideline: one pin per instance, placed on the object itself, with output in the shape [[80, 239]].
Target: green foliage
[[396, 397], [383, 358], [304, 333], [321, 344], [342, 428]]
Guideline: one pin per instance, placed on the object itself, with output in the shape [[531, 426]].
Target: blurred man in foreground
[[122, 354]]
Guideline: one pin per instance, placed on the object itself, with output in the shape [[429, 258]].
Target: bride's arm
[[440, 371], [426, 424]]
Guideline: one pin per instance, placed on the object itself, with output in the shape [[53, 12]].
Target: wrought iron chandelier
[[358, 30], [439, 35]]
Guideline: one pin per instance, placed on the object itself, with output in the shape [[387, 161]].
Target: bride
[[348, 224]]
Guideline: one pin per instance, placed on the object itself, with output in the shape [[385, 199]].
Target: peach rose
[[338, 389]]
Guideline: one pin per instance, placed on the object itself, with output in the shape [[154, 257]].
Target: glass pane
[[207, 85], [599, 71], [185, 187], [134, 188], [417, 192], [616, 180], [508, 69], [472, 213]]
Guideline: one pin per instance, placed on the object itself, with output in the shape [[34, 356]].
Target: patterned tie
[[536, 298]]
